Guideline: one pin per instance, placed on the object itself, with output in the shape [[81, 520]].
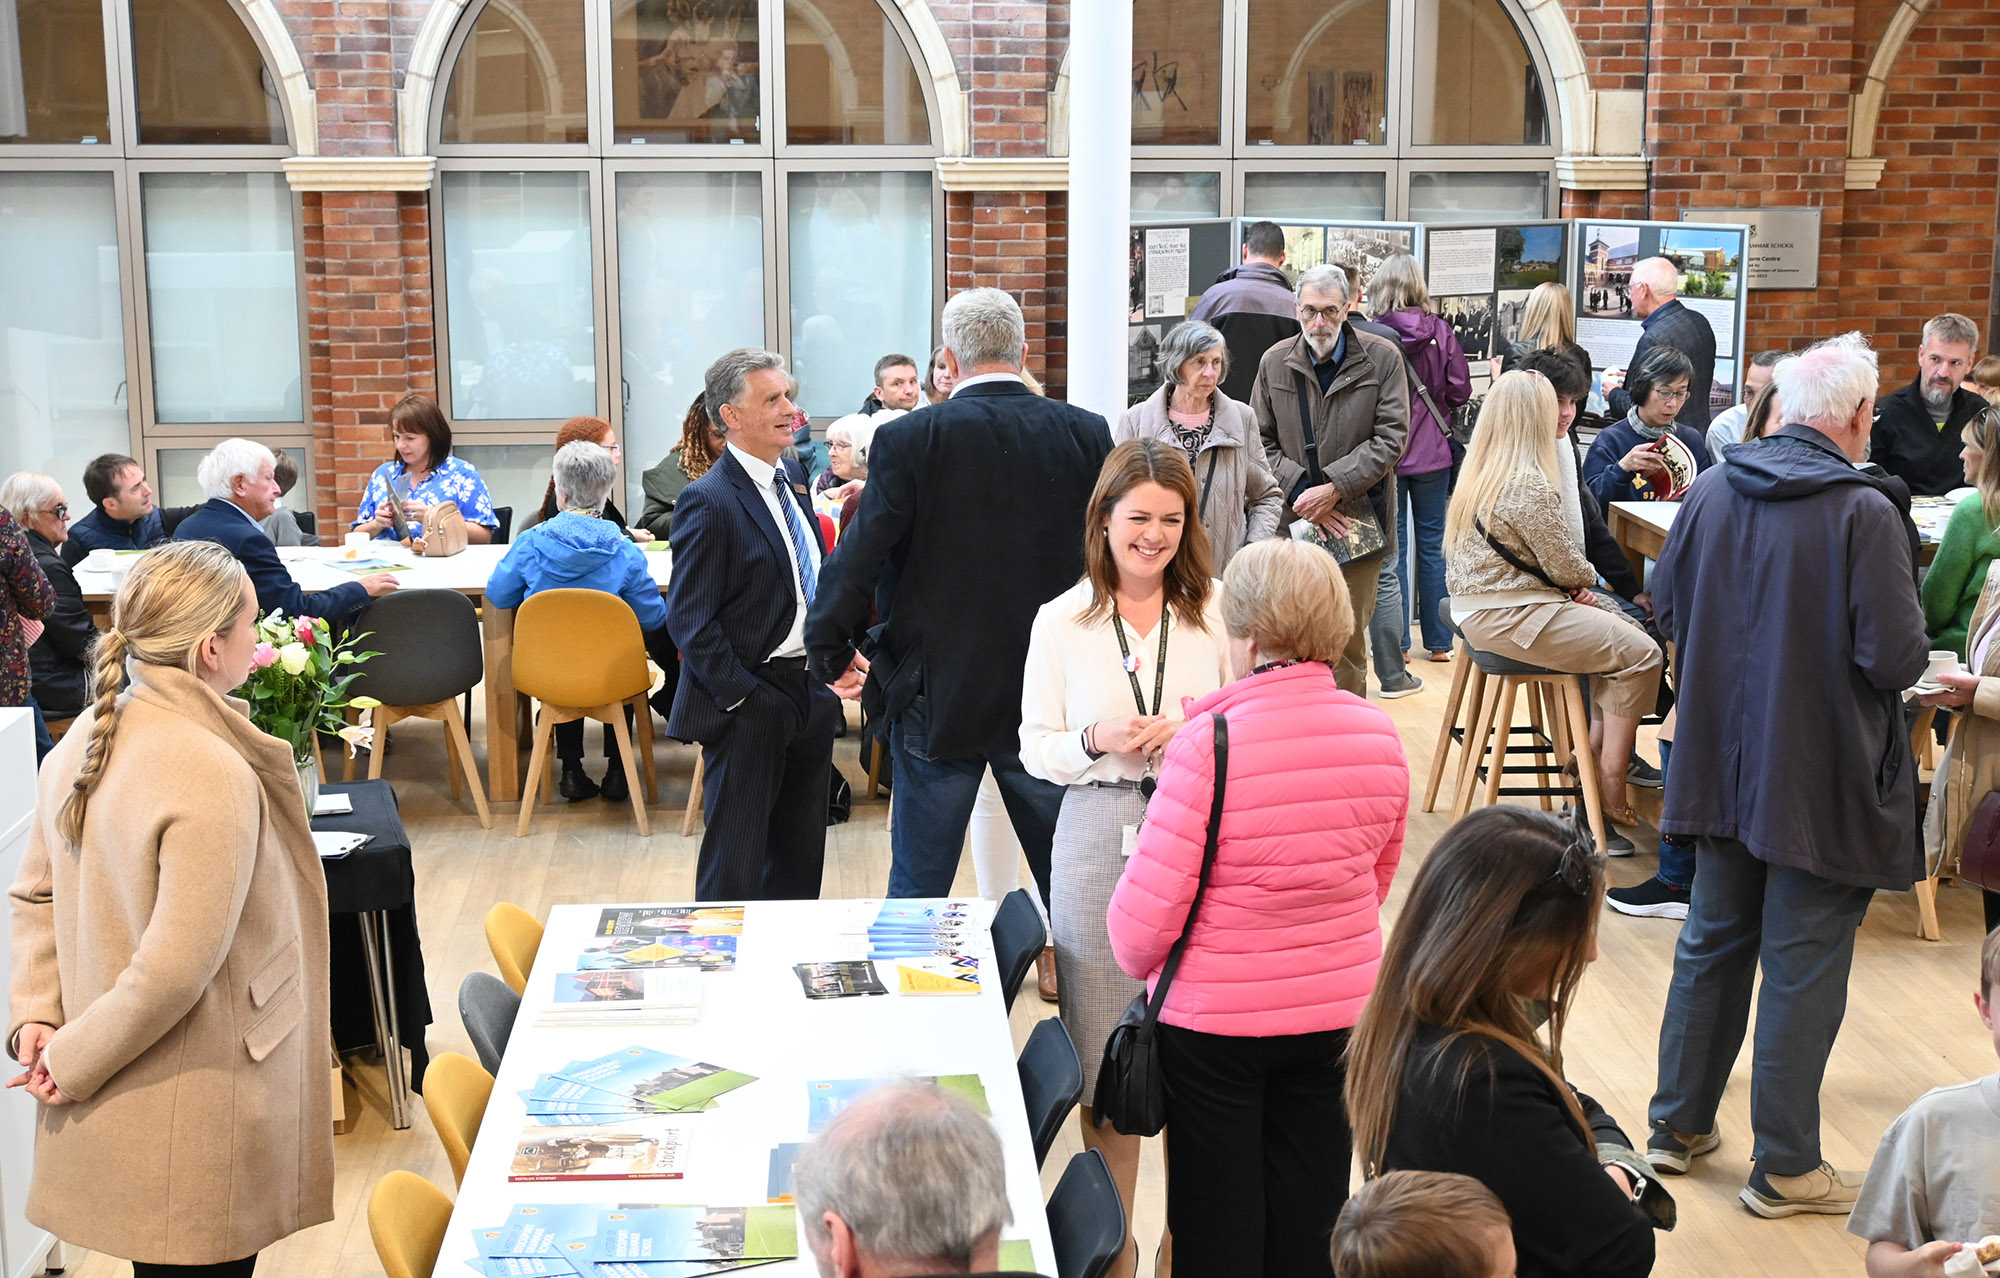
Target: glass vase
[[308, 781]]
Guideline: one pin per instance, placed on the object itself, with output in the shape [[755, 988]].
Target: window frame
[[1495, 164], [129, 85], [1229, 120]]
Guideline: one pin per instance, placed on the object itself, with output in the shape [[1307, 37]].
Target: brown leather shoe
[[1045, 974]]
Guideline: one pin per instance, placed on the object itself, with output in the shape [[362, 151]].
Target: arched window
[[1405, 110], [628, 190], [152, 296]]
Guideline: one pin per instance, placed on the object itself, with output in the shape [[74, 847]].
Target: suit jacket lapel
[[753, 505]]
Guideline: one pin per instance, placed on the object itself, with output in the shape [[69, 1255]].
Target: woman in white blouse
[[1110, 663]]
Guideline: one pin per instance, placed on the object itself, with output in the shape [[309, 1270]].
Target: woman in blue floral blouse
[[424, 463]]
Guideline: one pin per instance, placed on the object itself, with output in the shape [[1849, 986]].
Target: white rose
[[294, 657]]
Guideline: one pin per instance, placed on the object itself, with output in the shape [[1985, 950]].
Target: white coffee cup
[[357, 538], [1942, 662]]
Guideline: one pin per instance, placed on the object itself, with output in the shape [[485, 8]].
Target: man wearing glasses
[[1351, 389], [1628, 460], [1656, 283]]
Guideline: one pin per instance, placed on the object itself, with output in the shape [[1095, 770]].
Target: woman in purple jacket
[[1399, 299]]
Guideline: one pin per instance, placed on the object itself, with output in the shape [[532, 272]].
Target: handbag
[[444, 530], [1365, 538], [1979, 862], [1131, 1089]]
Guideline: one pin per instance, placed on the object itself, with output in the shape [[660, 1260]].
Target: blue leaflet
[[536, 1229]]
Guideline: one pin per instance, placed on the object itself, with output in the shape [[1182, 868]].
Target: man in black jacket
[[1918, 429], [1252, 306], [1656, 283], [972, 519]]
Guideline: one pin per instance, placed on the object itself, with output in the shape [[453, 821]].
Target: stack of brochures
[[921, 946], [825, 1098], [641, 996], [699, 937], [630, 1083], [632, 1149], [591, 1240]]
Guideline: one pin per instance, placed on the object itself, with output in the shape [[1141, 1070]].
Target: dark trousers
[[765, 793], [227, 1269], [1799, 929], [1991, 902], [934, 799], [1258, 1149]]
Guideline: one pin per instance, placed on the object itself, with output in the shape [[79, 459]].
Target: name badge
[[1128, 840]]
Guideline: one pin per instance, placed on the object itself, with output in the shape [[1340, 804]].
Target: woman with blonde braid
[[169, 996]]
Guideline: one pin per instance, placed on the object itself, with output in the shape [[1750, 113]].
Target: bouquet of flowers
[[298, 683]]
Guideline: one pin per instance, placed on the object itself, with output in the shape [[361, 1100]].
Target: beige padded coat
[[1970, 765], [181, 954]]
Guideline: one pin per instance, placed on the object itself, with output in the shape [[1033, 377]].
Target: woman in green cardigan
[[1971, 540]]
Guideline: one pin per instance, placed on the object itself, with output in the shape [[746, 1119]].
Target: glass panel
[[62, 347], [1478, 197], [1476, 84], [861, 280], [222, 291], [200, 77], [1318, 73], [1169, 197], [516, 475], [685, 71], [848, 78], [174, 482], [518, 301], [52, 79], [1177, 74], [1352, 197], [690, 287], [519, 76]]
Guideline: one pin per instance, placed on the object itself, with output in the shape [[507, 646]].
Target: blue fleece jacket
[[578, 552]]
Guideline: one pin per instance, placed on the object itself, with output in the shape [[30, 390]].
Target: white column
[[1100, 201]]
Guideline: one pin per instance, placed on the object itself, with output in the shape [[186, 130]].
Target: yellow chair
[[456, 1089], [553, 632], [407, 1216], [513, 935]]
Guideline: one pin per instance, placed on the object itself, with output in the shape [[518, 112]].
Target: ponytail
[[108, 679]]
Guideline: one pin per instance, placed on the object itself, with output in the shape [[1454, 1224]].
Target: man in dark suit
[[1656, 283], [237, 476], [972, 519], [747, 556]]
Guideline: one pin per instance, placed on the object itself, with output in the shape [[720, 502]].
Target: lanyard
[[1132, 665]]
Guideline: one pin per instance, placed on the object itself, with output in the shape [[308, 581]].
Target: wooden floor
[[1910, 1024]]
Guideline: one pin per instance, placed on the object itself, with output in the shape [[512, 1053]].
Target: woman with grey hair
[[60, 655], [1240, 502], [580, 550]]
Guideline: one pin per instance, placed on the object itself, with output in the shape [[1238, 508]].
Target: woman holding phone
[[423, 474]]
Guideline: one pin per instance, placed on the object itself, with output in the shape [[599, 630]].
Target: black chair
[[1086, 1218], [430, 655], [308, 522], [487, 1006], [505, 516], [1051, 1082], [1018, 938]]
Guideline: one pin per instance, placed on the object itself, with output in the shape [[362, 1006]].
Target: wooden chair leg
[[1540, 739], [378, 746], [460, 744], [1485, 703], [451, 765], [693, 813], [347, 755], [1503, 732], [1586, 764], [632, 781], [642, 718], [1453, 701], [545, 727], [1927, 915], [875, 760]]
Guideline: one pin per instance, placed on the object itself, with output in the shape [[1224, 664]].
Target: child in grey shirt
[[1935, 1182]]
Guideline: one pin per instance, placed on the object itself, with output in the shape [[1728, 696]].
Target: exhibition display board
[[1711, 258], [1480, 276]]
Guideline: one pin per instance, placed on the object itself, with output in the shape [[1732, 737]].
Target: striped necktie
[[800, 545]]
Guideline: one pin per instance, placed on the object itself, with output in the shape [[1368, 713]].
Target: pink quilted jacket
[[1290, 931]]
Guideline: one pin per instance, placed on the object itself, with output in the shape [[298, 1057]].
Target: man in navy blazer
[[747, 555], [971, 520], [237, 477]]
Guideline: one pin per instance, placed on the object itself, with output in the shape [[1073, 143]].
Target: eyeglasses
[[1673, 396], [1329, 313], [61, 511], [842, 444]]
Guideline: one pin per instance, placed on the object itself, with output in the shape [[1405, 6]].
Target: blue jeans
[[1389, 627], [933, 806], [1676, 859], [1800, 929], [1420, 504]]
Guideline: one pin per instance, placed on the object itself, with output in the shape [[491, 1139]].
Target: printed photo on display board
[[1710, 265], [1719, 396], [1530, 255], [1480, 278], [1471, 318]]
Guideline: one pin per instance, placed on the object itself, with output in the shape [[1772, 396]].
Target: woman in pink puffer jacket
[[1253, 1033]]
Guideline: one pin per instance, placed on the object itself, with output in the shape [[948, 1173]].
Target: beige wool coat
[[181, 954], [1970, 765]]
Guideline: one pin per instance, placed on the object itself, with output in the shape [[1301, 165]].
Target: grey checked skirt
[[1086, 863]]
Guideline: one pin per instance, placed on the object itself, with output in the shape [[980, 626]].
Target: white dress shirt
[[983, 378], [761, 474]]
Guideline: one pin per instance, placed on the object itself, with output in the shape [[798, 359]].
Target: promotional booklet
[[642, 996], [653, 1148], [635, 1080], [843, 979], [634, 1240], [957, 974], [826, 1098]]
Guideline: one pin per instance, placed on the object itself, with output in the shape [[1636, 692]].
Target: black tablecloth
[[375, 876]]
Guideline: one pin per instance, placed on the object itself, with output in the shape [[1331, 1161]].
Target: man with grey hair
[[237, 475], [906, 1181], [1920, 428], [1666, 321], [1333, 407], [969, 523], [1792, 544], [747, 556]]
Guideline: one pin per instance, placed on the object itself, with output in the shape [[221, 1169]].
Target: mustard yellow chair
[[456, 1089], [580, 653], [407, 1216], [513, 935]]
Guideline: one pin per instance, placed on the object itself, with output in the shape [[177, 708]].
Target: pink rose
[[304, 630], [265, 655]]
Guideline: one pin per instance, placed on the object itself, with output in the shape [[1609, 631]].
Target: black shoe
[[1652, 899], [576, 785], [615, 789], [1642, 774]]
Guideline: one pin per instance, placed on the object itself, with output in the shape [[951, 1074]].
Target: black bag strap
[[1173, 962], [1207, 481], [1518, 563], [1314, 474]]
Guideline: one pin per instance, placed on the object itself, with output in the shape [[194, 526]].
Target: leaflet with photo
[[650, 1148], [826, 1098]]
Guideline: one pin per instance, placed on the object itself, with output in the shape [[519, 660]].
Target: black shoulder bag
[[1131, 1089]]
